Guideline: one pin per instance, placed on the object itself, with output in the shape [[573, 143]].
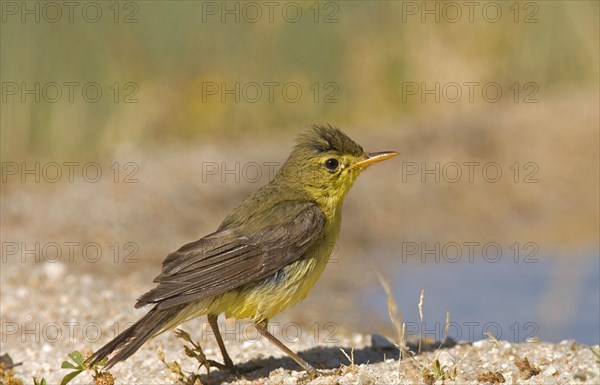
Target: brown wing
[[232, 257]]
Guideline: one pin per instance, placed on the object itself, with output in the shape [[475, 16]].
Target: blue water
[[553, 299]]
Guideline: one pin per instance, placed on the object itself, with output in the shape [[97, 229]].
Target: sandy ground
[[50, 309], [48, 312]]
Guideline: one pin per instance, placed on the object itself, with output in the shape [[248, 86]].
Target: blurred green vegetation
[[368, 53]]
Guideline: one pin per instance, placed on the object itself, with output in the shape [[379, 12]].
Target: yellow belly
[[262, 301], [291, 285]]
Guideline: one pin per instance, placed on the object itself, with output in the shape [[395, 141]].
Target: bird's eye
[[332, 164]]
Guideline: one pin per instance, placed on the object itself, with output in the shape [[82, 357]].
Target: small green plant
[[438, 372], [42, 381], [78, 365]]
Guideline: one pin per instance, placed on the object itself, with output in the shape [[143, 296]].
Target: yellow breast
[[286, 288]]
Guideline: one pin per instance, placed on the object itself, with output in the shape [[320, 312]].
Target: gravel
[[48, 312]]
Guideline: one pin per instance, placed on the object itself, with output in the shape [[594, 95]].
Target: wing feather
[[234, 256]]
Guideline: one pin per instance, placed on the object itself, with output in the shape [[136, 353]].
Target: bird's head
[[325, 163]]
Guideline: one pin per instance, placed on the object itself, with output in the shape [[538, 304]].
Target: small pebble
[[54, 271]]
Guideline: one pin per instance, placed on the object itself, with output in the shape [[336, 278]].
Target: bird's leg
[[212, 320], [262, 329]]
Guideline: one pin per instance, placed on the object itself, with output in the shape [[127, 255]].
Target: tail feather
[[132, 338]]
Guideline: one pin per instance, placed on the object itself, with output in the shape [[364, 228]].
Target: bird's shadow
[[322, 357]]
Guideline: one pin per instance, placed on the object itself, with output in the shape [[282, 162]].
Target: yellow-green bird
[[266, 255]]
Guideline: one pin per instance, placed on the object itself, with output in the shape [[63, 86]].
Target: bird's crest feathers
[[325, 137]]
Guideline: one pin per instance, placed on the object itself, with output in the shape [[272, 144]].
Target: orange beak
[[374, 157]]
